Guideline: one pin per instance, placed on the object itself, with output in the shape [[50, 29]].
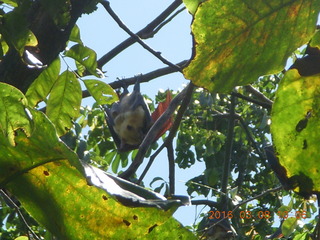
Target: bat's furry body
[[129, 119]]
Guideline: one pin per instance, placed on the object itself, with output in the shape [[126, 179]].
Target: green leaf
[[192, 5], [21, 238], [302, 236], [13, 115], [15, 31], [238, 41], [3, 46], [155, 180], [288, 226], [41, 87], [84, 55], [64, 102], [103, 93], [39, 147], [11, 2], [295, 129], [212, 176], [283, 211], [315, 41], [75, 35], [171, 229]]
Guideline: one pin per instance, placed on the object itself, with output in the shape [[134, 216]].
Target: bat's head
[[130, 125]]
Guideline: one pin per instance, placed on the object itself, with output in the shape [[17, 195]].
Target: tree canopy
[[250, 114]]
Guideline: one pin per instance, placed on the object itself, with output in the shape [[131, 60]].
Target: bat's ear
[[162, 107]]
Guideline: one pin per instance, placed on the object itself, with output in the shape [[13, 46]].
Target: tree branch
[[172, 132], [144, 33], [106, 5], [156, 30], [144, 78], [209, 203], [228, 154], [171, 169]]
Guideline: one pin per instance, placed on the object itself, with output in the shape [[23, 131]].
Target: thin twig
[[262, 104], [156, 30], [257, 196], [151, 160], [12, 203], [258, 94], [144, 33], [106, 5]]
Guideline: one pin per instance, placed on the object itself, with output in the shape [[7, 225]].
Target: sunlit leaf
[[11, 2], [295, 129], [40, 88], [237, 42], [75, 35], [315, 41], [64, 102], [22, 238], [84, 55], [192, 5], [302, 236], [4, 47], [101, 92], [289, 226]]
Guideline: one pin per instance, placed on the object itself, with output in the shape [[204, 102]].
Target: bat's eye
[[129, 127]]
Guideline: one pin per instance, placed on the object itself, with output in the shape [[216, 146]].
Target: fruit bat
[[129, 119]]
